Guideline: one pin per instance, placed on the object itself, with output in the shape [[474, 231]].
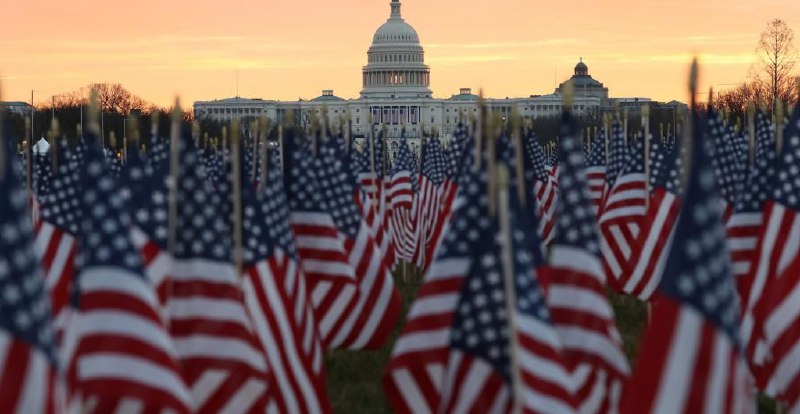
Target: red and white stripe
[[691, 367], [416, 371], [471, 384], [743, 230], [547, 386], [426, 218], [779, 310], [596, 178], [378, 303], [620, 223], [118, 352], [56, 249], [157, 264], [547, 201], [331, 279], [448, 192], [221, 357], [28, 379], [276, 297], [401, 198], [376, 208], [771, 316], [584, 321], [650, 251]]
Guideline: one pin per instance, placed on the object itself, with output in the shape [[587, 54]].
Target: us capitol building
[[396, 91]]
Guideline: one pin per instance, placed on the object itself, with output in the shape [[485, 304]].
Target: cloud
[[451, 60], [703, 58], [505, 45]]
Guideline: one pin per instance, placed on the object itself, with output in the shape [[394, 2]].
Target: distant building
[[16, 107], [396, 92]]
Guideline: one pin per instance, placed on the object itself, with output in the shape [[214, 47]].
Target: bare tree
[[777, 57], [735, 100]]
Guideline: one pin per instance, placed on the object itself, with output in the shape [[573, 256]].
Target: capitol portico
[[396, 92]]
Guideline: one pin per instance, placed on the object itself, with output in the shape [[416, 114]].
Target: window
[[358, 120]]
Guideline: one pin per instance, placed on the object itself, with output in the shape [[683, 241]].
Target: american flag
[[378, 302], [447, 196], [691, 358], [119, 354], [622, 213], [575, 288], [402, 191], [744, 229], [428, 202], [457, 336], [416, 371], [321, 248], [376, 206], [145, 190], [545, 187], [777, 269], [596, 171], [276, 295], [42, 179], [725, 159], [28, 361], [221, 357], [650, 251], [56, 232], [617, 155], [504, 353]]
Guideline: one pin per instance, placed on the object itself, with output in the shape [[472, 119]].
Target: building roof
[[327, 96], [395, 30], [14, 103], [464, 95]]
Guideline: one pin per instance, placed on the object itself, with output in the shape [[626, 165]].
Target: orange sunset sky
[[294, 49]]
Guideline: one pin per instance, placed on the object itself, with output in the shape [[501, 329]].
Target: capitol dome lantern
[[396, 61]]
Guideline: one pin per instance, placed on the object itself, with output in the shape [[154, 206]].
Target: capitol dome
[[395, 30], [396, 61]]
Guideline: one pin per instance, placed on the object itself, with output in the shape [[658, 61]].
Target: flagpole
[[236, 196], [607, 126], [625, 125], [508, 278], [29, 159], [778, 127], [520, 167], [479, 130], [54, 132], [174, 180], [646, 161], [263, 137], [2, 139]]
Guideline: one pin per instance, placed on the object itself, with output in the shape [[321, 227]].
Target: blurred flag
[[575, 288], [321, 248], [119, 355], [651, 249], [28, 361], [56, 234], [275, 293], [776, 273], [596, 171], [691, 358], [622, 213], [378, 302], [221, 357]]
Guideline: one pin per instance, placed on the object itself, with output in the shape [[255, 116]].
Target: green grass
[[354, 378]]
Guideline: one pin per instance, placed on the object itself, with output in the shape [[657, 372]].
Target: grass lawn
[[354, 378]]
